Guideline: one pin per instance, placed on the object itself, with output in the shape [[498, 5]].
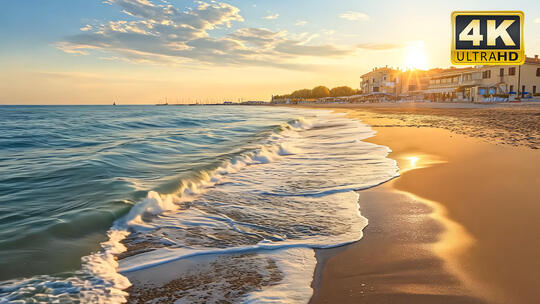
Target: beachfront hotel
[[381, 80], [389, 83], [469, 84]]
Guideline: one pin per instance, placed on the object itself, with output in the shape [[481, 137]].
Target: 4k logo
[[488, 37]]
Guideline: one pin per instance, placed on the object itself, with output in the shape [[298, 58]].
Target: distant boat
[[114, 103], [163, 104]]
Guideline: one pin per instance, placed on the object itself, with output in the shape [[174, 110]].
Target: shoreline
[[451, 238], [391, 263]]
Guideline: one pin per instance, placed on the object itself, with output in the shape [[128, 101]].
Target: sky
[[149, 51]]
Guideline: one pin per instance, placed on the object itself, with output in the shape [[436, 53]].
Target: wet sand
[[515, 124], [460, 225]]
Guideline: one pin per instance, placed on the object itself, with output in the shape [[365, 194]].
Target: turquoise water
[[80, 185], [69, 172]]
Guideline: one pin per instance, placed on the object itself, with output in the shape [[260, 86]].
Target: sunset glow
[[416, 56]]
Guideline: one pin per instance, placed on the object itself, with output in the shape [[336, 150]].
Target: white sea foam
[[288, 149], [297, 266], [302, 124], [347, 210], [97, 282]]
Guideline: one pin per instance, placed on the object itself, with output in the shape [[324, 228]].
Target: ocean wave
[[288, 193], [156, 203], [97, 282], [239, 217]]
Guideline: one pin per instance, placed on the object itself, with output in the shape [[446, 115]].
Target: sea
[[199, 204]]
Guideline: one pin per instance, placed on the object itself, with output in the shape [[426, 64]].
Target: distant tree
[[320, 91], [304, 93], [281, 96], [342, 91]]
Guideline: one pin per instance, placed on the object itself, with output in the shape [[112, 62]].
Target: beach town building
[[412, 84], [453, 84], [387, 83], [380, 84], [485, 83], [380, 80], [467, 84], [521, 80]]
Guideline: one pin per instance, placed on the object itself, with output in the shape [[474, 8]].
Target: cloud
[[260, 37], [86, 28], [271, 17], [354, 16], [300, 23], [379, 46], [164, 34], [68, 75], [296, 48], [304, 38], [81, 49]]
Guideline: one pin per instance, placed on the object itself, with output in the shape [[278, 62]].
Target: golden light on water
[[415, 56]]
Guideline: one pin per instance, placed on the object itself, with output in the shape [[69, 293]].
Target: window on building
[[523, 89], [486, 74], [534, 89], [511, 88], [501, 72], [512, 71], [538, 72]]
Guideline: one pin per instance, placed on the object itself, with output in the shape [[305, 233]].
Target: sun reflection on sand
[[452, 244], [413, 160], [455, 240], [417, 161]]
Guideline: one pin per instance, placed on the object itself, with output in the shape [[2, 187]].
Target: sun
[[415, 56]]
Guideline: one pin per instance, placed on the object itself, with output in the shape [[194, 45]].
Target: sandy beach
[[460, 225]]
